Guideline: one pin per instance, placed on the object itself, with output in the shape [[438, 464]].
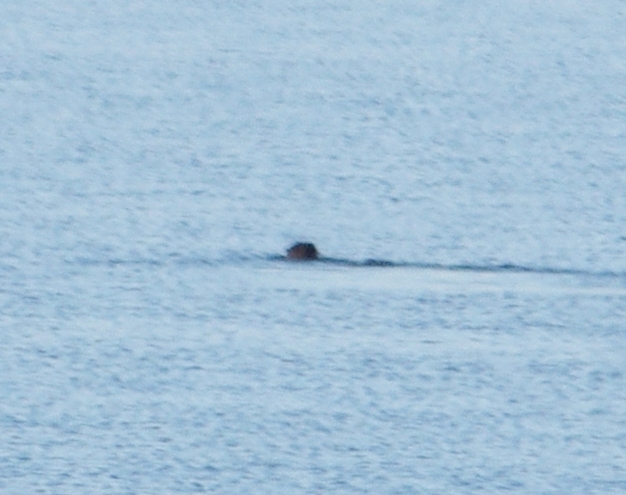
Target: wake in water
[[306, 252], [504, 267]]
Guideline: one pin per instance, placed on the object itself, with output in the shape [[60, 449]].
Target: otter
[[301, 251]]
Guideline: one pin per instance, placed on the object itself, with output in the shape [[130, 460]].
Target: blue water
[[459, 166]]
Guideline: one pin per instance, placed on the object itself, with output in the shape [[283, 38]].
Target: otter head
[[302, 251]]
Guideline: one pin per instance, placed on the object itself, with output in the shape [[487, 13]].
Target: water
[[157, 159]]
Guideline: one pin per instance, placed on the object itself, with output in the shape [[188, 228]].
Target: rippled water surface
[[459, 166]]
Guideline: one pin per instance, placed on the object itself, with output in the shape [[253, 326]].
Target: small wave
[[112, 262], [464, 267], [171, 259], [236, 259]]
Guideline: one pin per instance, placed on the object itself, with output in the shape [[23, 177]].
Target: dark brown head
[[302, 251]]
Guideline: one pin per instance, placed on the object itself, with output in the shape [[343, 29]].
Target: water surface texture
[[461, 168]]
